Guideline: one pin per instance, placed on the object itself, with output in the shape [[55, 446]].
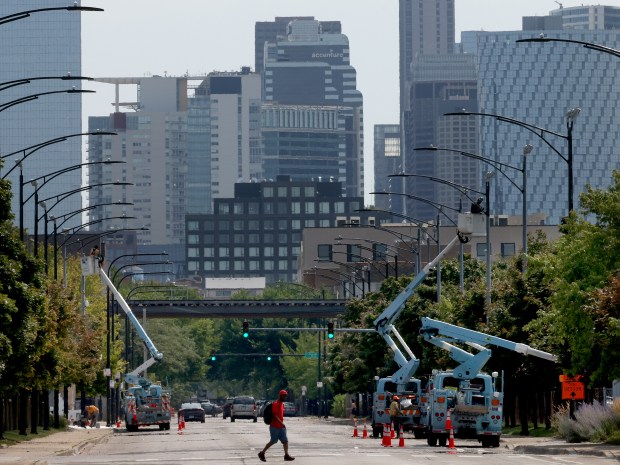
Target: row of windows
[[240, 265], [241, 252], [283, 207]]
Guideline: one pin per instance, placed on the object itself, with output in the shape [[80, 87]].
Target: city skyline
[[108, 52]]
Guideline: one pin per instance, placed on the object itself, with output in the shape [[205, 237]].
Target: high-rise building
[[589, 17], [271, 31], [152, 142], [224, 138], [388, 161], [313, 114], [537, 84], [441, 84], [46, 44]]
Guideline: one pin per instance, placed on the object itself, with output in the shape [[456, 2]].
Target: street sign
[[311, 355], [573, 390]]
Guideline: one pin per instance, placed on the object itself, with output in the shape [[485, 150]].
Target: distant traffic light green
[[213, 358], [330, 330], [246, 329]]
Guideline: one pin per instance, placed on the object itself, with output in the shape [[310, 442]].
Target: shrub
[[339, 406], [593, 422]]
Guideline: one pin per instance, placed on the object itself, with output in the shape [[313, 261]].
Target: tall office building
[[44, 44], [310, 95], [430, 77], [271, 31], [152, 142], [589, 17], [224, 139], [538, 83], [388, 161]]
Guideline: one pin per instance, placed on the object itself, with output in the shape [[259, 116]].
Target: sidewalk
[[68, 442]]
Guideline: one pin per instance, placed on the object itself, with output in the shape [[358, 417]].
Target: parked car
[[211, 409], [226, 408], [243, 407], [290, 409], [192, 411]]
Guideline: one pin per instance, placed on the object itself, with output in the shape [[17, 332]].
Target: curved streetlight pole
[[376, 254], [30, 98], [18, 82], [45, 179], [27, 13], [153, 288], [348, 278], [352, 268], [571, 115]]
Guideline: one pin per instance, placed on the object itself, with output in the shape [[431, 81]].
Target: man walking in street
[[277, 428]]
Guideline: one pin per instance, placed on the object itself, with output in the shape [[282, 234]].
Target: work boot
[[288, 458], [261, 456]]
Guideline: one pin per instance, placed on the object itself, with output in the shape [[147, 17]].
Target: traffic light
[[246, 329], [330, 330], [269, 355], [213, 358]]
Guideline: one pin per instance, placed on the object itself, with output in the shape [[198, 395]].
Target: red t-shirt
[[277, 410]]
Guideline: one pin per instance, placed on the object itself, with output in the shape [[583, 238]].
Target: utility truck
[[473, 399], [145, 403], [402, 383]]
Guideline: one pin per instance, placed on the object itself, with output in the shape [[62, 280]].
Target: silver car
[[243, 407]]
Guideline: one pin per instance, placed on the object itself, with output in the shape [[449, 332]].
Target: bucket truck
[[402, 383], [145, 403], [472, 397]]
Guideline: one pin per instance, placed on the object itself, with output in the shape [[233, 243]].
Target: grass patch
[[539, 432], [13, 437]]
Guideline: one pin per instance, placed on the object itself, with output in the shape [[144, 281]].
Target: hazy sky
[[145, 37]]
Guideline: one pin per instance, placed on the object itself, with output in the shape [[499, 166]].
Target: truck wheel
[[232, 419], [377, 431], [167, 426], [495, 441], [418, 434], [442, 441], [431, 439]]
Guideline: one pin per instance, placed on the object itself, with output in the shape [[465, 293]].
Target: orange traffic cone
[[401, 441], [387, 436], [365, 431], [118, 422], [393, 434], [451, 445], [355, 428]]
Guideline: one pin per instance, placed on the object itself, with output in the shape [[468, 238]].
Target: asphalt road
[[312, 441]]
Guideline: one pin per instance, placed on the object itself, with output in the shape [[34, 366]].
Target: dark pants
[[396, 422]]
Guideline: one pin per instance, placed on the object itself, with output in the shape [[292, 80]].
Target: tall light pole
[[30, 98], [541, 133]]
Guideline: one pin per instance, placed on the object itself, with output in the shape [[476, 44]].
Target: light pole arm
[[26, 14]]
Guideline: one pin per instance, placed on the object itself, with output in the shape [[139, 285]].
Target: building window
[[379, 251], [208, 225], [268, 251], [192, 252], [208, 265], [296, 208], [310, 223], [309, 191], [309, 208], [267, 191], [223, 265], [324, 252], [254, 265], [282, 225], [238, 208], [324, 223], [192, 266], [295, 225], [338, 207], [508, 249], [224, 252], [208, 252], [239, 252], [253, 225], [192, 226], [223, 225], [324, 207], [223, 208], [238, 225], [239, 265], [268, 225], [283, 251], [282, 208], [295, 191], [282, 265], [481, 249], [268, 265], [268, 208], [192, 238], [354, 253], [208, 238], [253, 239], [253, 208], [282, 192]]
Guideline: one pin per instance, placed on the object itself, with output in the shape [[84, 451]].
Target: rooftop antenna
[[561, 6]]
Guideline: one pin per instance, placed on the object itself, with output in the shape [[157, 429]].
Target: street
[[312, 441]]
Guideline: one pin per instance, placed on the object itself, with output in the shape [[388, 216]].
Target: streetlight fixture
[[346, 277], [18, 82], [376, 254], [26, 14], [541, 133]]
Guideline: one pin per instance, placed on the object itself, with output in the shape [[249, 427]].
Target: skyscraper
[[44, 44], [310, 85], [388, 161]]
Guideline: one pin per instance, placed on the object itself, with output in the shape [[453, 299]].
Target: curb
[[597, 451]]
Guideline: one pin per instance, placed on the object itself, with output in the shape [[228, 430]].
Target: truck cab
[[410, 398]]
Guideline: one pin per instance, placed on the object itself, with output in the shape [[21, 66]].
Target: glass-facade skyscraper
[[538, 83], [44, 44]]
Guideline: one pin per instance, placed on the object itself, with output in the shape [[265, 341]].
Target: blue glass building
[[538, 83], [45, 44]]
